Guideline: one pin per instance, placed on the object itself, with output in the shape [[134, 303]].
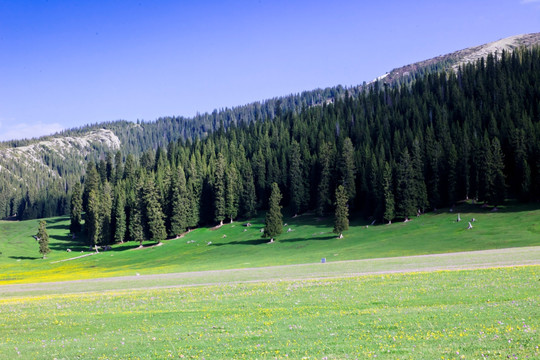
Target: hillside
[[53, 163], [43, 171], [461, 57], [235, 246]]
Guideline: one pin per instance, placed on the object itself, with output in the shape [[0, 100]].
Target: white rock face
[[31, 156]]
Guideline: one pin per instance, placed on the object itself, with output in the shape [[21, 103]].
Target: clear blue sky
[[64, 64]]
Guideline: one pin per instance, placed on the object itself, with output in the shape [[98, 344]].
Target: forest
[[398, 151]]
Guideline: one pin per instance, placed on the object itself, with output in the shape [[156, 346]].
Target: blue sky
[[65, 64]]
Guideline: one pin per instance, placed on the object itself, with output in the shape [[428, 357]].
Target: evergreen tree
[[180, 204], [405, 190], [388, 189], [118, 167], [194, 189], [119, 215], [219, 190], [129, 168], [91, 182], [452, 176], [274, 220], [297, 186], [136, 231], [93, 221], [109, 167], [248, 194], [347, 168], [324, 199], [341, 222], [153, 218], [76, 209], [420, 189], [232, 191], [497, 185], [43, 239], [105, 209]]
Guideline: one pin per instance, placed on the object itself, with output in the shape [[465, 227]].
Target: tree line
[[396, 151]]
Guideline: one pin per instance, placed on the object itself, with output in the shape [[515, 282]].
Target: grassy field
[[236, 246], [230, 294], [474, 314]]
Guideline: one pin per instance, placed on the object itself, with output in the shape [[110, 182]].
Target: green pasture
[[237, 246], [474, 314]]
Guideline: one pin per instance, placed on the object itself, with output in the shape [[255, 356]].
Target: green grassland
[[473, 314], [231, 294], [237, 246]]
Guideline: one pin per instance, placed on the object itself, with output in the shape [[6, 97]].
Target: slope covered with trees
[[397, 151], [31, 191]]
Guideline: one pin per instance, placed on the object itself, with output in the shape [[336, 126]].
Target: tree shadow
[[308, 239], [67, 242], [55, 220], [267, 241], [245, 242], [25, 257]]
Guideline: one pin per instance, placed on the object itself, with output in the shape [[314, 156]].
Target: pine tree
[[194, 189], [180, 204], [119, 215], [219, 190], [91, 182], [118, 167], [93, 221], [324, 199], [232, 191], [153, 218], [452, 175], [347, 168], [43, 239], [497, 185], [274, 220], [297, 186], [405, 191], [248, 194], [76, 209], [105, 209], [341, 222], [136, 231], [420, 189], [388, 189]]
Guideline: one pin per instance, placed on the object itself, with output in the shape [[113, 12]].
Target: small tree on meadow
[[43, 239], [341, 222], [274, 219]]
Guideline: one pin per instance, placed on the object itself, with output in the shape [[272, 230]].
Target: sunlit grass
[[490, 313], [238, 246]]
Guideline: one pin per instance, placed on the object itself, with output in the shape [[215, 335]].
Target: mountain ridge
[[461, 57]]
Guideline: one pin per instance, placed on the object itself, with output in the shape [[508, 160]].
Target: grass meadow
[[235, 246], [228, 294], [469, 314]]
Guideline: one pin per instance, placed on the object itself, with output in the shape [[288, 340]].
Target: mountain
[[45, 168], [461, 57]]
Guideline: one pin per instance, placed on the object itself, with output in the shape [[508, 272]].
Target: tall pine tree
[[76, 209], [341, 221], [219, 190], [274, 220]]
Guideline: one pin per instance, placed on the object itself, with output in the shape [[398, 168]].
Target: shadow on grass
[[56, 220], [25, 257], [67, 242], [246, 242], [308, 239], [267, 241]]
